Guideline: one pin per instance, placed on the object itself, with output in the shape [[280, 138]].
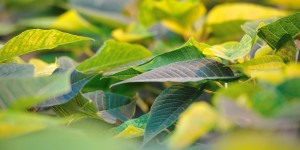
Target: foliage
[[149, 74]]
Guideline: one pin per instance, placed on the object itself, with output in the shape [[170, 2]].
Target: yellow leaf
[[241, 11], [292, 70], [133, 32], [194, 123], [131, 132], [71, 21], [42, 68]]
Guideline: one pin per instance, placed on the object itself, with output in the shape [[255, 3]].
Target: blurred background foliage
[[160, 26]]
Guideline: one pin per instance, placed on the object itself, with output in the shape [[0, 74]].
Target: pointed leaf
[[185, 71], [113, 54], [167, 107], [37, 39]]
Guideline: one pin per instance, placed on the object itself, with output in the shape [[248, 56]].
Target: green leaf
[[77, 80], [21, 93], [185, 71], [193, 42], [180, 54], [113, 54], [112, 106], [12, 70], [231, 50], [274, 32], [37, 39], [138, 123], [167, 107]]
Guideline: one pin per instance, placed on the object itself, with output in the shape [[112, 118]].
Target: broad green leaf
[[196, 121], [113, 54], [178, 16], [231, 50], [167, 107], [112, 106], [77, 80], [66, 63], [42, 68], [132, 33], [37, 39], [18, 123], [132, 128], [274, 32], [180, 54], [71, 21], [185, 71], [267, 68], [287, 50], [21, 93], [12, 70]]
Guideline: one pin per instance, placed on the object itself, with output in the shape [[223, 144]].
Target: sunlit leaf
[[185, 71], [193, 123], [178, 16], [71, 21], [42, 68], [267, 68], [231, 50], [113, 54], [287, 49], [36, 39], [168, 106], [132, 128], [132, 33]]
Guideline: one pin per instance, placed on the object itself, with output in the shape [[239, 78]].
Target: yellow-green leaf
[[194, 123], [42, 68], [37, 39]]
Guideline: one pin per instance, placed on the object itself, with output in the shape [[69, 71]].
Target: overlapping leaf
[[112, 106], [180, 54], [185, 71], [273, 32], [37, 39], [167, 107]]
